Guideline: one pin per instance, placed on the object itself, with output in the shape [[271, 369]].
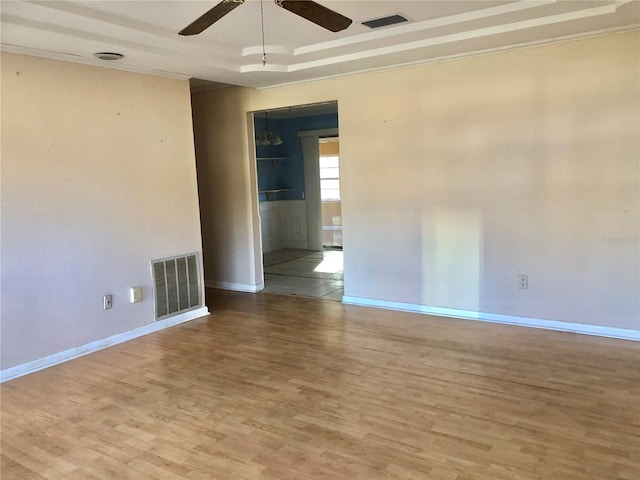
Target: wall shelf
[[275, 190]]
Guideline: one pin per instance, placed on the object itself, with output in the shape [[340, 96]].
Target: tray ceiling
[[230, 51]]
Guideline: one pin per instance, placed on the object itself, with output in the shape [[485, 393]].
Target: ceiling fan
[[312, 11]]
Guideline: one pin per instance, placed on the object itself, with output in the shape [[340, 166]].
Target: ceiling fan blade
[[316, 13], [210, 17]]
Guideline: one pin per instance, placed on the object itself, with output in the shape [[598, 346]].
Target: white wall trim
[[236, 287], [75, 352], [309, 141], [458, 56], [90, 61], [586, 329]]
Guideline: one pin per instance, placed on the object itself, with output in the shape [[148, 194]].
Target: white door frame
[[310, 140]]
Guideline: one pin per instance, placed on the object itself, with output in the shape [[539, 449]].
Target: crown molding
[[68, 57], [476, 53]]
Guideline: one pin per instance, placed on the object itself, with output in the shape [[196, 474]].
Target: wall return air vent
[[176, 285], [385, 21]]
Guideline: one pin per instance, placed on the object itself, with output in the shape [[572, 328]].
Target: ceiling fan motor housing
[[307, 9]]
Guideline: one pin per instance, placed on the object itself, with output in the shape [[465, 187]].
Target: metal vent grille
[[176, 285], [385, 21]]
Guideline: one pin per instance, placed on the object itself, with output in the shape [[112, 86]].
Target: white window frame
[[324, 196]]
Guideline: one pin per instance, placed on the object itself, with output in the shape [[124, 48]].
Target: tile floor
[[304, 272]]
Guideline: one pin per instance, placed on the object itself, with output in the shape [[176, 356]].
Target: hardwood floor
[[284, 388]]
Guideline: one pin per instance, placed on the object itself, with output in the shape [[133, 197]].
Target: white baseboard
[[66, 355], [236, 287], [583, 328]]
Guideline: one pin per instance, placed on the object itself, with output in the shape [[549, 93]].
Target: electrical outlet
[[108, 302], [523, 281]]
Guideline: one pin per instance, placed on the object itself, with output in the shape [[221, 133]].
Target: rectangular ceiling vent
[[176, 285], [386, 21]]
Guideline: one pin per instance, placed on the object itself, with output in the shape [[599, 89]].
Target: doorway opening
[[330, 197], [301, 230]]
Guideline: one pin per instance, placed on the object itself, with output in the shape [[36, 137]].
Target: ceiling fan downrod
[[264, 52]]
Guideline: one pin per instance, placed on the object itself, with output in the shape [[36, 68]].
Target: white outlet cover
[[136, 294], [107, 301]]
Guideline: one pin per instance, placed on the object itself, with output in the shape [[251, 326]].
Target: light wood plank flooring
[[283, 388]]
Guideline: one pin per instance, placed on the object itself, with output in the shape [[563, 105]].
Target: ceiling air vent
[[385, 21]]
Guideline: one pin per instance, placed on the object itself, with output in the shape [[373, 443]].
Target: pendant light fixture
[[268, 137]]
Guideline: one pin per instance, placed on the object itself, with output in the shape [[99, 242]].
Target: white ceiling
[[230, 51]]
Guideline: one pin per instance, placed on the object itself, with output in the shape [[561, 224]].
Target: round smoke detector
[[110, 56]]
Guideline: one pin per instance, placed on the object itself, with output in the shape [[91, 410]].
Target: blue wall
[[290, 173]]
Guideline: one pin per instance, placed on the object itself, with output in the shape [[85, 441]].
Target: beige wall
[[98, 178], [225, 176], [459, 176]]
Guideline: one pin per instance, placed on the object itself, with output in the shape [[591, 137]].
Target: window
[[329, 178]]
